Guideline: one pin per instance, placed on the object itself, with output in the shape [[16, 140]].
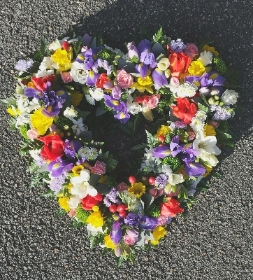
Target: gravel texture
[[215, 240]]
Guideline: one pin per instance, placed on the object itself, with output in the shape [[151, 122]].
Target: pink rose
[[32, 134], [156, 192], [191, 50], [122, 187], [99, 168], [124, 79], [131, 236], [153, 101], [66, 77]]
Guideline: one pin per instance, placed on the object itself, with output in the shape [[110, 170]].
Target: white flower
[[93, 230], [206, 145], [133, 107], [81, 187], [229, 97], [201, 115], [185, 90], [174, 84], [163, 64], [43, 73], [74, 202], [35, 154], [173, 179], [197, 124], [22, 119], [90, 99], [206, 57], [54, 45], [78, 73], [96, 93], [70, 112], [46, 67], [78, 126]]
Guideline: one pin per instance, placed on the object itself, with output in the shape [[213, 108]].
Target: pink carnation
[[131, 236], [99, 168], [124, 79], [66, 77], [191, 50], [153, 101]]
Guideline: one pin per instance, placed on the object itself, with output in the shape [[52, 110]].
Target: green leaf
[[100, 111], [147, 199], [134, 59], [138, 147], [158, 35], [49, 194], [94, 179], [102, 188], [203, 107]]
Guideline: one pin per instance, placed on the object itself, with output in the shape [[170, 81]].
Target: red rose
[[53, 147], [179, 63], [102, 80], [89, 201], [41, 83], [185, 110], [171, 208]]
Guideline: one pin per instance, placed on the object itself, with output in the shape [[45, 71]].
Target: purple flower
[[116, 232], [159, 79], [132, 219], [87, 39], [142, 69], [24, 65], [58, 167], [161, 180], [221, 113], [112, 103], [123, 117], [194, 169], [175, 147], [161, 152], [148, 223], [111, 197], [56, 183], [144, 45], [71, 148], [177, 45], [53, 103], [32, 92], [132, 50], [148, 58], [178, 124], [92, 78], [116, 92]]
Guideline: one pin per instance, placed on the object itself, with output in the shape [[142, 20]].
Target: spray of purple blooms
[[221, 113], [111, 197]]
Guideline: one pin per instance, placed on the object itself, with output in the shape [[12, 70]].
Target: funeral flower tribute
[[185, 89]]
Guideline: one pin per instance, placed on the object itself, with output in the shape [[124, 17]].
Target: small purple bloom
[[132, 219], [71, 148], [116, 232], [178, 124], [177, 45], [194, 169], [148, 58], [142, 69], [92, 78], [221, 113], [148, 223], [32, 92], [175, 147], [159, 79], [122, 117], [161, 152], [132, 50], [56, 183], [24, 65], [116, 92], [112, 103], [161, 180], [144, 45], [111, 197]]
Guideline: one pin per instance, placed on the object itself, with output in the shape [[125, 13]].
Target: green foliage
[[138, 147], [224, 138], [220, 65], [108, 159], [96, 239], [158, 35], [106, 54], [81, 214], [49, 194], [23, 130], [203, 108], [173, 162], [153, 210], [151, 140], [111, 182], [77, 46], [44, 51], [76, 224]]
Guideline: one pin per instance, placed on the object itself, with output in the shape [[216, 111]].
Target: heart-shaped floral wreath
[[74, 81]]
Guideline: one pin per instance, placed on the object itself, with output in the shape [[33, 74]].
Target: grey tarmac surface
[[215, 240]]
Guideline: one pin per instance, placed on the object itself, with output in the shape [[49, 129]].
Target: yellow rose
[[41, 122]]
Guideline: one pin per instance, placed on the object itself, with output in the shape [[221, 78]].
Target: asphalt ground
[[215, 240]]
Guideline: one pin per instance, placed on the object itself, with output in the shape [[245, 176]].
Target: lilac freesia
[[132, 50], [161, 180], [116, 232], [177, 45], [24, 65], [159, 79]]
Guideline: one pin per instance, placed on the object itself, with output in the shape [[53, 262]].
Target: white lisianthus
[[173, 179], [46, 67], [43, 73], [208, 158], [185, 90], [78, 73], [25, 106], [206, 57], [70, 112], [96, 93], [133, 107], [197, 124], [229, 97], [22, 119], [78, 126], [207, 143], [81, 187], [163, 64], [93, 230], [74, 202]]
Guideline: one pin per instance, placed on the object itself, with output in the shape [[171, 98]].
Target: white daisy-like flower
[[93, 230], [96, 93], [229, 97], [197, 124], [201, 115], [185, 90], [70, 112]]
